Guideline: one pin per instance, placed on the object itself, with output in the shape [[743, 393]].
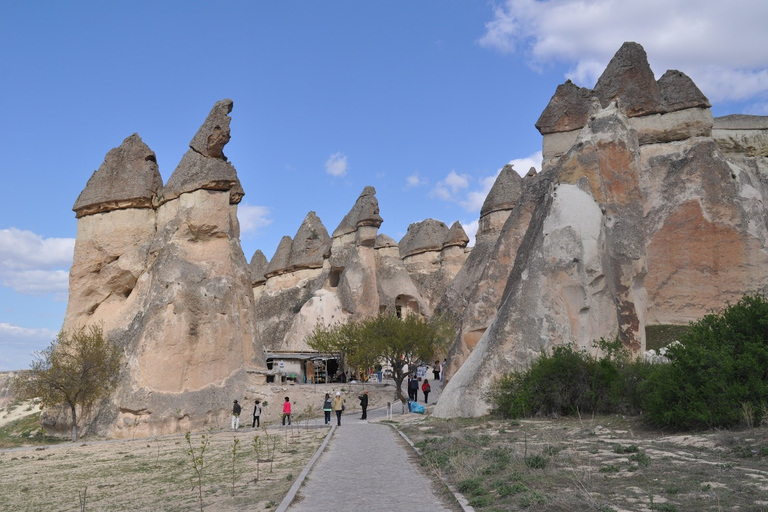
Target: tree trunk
[[74, 423]]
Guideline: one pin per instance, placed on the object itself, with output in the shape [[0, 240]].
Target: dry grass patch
[[604, 463], [157, 474]]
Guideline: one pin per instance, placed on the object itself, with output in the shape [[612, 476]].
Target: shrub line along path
[[364, 465]]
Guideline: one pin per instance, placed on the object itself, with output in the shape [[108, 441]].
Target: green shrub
[[570, 381], [719, 368]]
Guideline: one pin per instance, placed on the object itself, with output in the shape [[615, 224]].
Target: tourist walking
[[413, 388], [287, 410], [436, 371], [236, 416], [256, 414], [338, 407], [426, 388], [327, 407], [364, 404]]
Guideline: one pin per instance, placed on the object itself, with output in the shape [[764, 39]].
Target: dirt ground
[[606, 463], [157, 473]]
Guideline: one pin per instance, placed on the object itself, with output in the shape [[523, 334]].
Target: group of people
[[413, 389], [236, 410], [336, 404]]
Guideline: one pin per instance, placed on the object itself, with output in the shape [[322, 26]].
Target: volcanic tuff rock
[[624, 234], [128, 178], [354, 275], [431, 263], [172, 287], [204, 165], [258, 266], [669, 109]]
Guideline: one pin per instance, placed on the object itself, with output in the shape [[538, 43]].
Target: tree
[[401, 343], [77, 368]]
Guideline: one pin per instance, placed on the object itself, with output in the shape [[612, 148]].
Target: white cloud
[[470, 228], [470, 193], [336, 165], [33, 265], [414, 180], [722, 46], [523, 165], [17, 345], [20, 249], [448, 189], [253, 218]]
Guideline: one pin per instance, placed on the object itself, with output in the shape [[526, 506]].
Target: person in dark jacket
[[364, 404], [236, 416], [327, 407], [413, 388]]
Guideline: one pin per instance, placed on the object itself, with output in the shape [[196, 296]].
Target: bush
[[570, 381], [719, 370]]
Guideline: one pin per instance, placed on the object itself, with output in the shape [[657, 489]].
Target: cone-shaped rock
[[128, 178], [258, 267], [456, 236], [384, 241], [629, 79], [567, 110], [364, 212], [679, 92], [427, 235], [504, 193], [204, 165], [282, 257], [311, 245]]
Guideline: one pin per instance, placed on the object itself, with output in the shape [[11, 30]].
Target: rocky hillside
[[642, 215]]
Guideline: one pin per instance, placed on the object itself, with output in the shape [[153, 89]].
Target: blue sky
[[426, 101]]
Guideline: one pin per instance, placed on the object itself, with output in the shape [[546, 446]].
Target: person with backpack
[[426, 388]]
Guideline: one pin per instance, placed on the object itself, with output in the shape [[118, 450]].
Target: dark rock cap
[[258, 267], [280, 261], [204, 165], [567, 110], [383, 241], [505, 192], [456, 236], [214, 134], [427, 235], [365, 212], [629, 79], [679, 92], [128, 178], [311, 245]]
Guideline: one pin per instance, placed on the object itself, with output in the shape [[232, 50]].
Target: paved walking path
[[367, 466]]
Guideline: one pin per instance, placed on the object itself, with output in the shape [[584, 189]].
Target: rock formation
[[647, 211], [355, 274], [638, 218], [163, 271]]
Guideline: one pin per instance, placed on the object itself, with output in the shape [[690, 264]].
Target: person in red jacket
[[426, 388], [287, 410]]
